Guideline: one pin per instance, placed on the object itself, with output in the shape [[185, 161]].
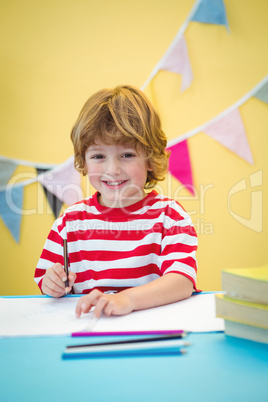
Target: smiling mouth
[[115, 183]]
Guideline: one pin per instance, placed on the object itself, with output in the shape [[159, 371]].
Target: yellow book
[[248, 284], [241, 311], [244, 331]]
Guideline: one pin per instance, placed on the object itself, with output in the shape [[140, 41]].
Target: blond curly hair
[[125, 116]]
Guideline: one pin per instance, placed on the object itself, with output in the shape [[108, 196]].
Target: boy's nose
[[113, 168]]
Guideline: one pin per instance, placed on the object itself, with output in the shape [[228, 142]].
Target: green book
[[248, 284]]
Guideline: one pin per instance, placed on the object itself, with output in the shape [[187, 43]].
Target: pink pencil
[[130, 333]]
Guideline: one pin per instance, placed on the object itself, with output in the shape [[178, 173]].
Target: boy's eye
[[97, 156], [128, 155]]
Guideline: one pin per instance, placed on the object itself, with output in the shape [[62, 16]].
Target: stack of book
[[244, 307]]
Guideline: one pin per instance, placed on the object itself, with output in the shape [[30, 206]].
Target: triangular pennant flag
[[64, 182], [180, 164], [262, 93], [177, 61], [211, 12], [40, 171], [11, 209], [229, 131], [7, 169], [54, 202]]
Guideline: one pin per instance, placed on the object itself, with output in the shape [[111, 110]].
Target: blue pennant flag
[[11, 209], [262, 93], [211, 12], [7, 169]]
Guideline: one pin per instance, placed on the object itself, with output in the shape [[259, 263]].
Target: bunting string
[[260, 91], [62, 182], [176, 58], [227, 128], [21, 162]]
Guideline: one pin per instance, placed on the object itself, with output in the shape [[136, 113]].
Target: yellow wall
[[55, 54]]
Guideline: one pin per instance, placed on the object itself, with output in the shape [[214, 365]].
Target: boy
[[128, 249]]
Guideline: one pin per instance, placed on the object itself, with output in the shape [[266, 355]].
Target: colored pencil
[[163, 338], [125, 348], [155, 351], [66, 262], [129, 333]]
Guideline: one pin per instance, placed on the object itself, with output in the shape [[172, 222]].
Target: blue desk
[[216, 368]]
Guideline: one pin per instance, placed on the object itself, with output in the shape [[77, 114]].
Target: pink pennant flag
[[177, 61], [64, 182], [229, 131], [180, 164]]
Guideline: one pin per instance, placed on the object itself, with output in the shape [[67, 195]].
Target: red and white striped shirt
[[112, 249]]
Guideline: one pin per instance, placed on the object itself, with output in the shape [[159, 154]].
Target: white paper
[[45, 316], [42, 316], [196, 314]]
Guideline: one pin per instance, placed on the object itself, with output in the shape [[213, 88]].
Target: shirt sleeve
[[179, 245], [52, 253]]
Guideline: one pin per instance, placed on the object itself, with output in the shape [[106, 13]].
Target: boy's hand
[[109, 304], [53, 283]]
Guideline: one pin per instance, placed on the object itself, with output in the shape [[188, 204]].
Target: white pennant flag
[[177, 61], [64, 182]]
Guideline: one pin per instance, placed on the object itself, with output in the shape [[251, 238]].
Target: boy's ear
[[149, 168], [84, 171]]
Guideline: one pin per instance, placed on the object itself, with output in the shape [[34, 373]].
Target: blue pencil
[[125, 348]]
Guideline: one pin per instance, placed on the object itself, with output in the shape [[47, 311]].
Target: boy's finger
[[51, 288], [59, 270], [51, 283], [72, 278], [85, 303], [81, 306], [100, 306], [109, 308], [53, 277]]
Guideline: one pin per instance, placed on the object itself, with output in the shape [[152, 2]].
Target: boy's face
[[117, 172]]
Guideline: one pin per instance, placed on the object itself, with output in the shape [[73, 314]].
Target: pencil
[[156, 349], [163, 338], [66, 262], [138, 347], [130, 333]]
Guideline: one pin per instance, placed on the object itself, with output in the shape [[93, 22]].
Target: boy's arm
[[167, 289]]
